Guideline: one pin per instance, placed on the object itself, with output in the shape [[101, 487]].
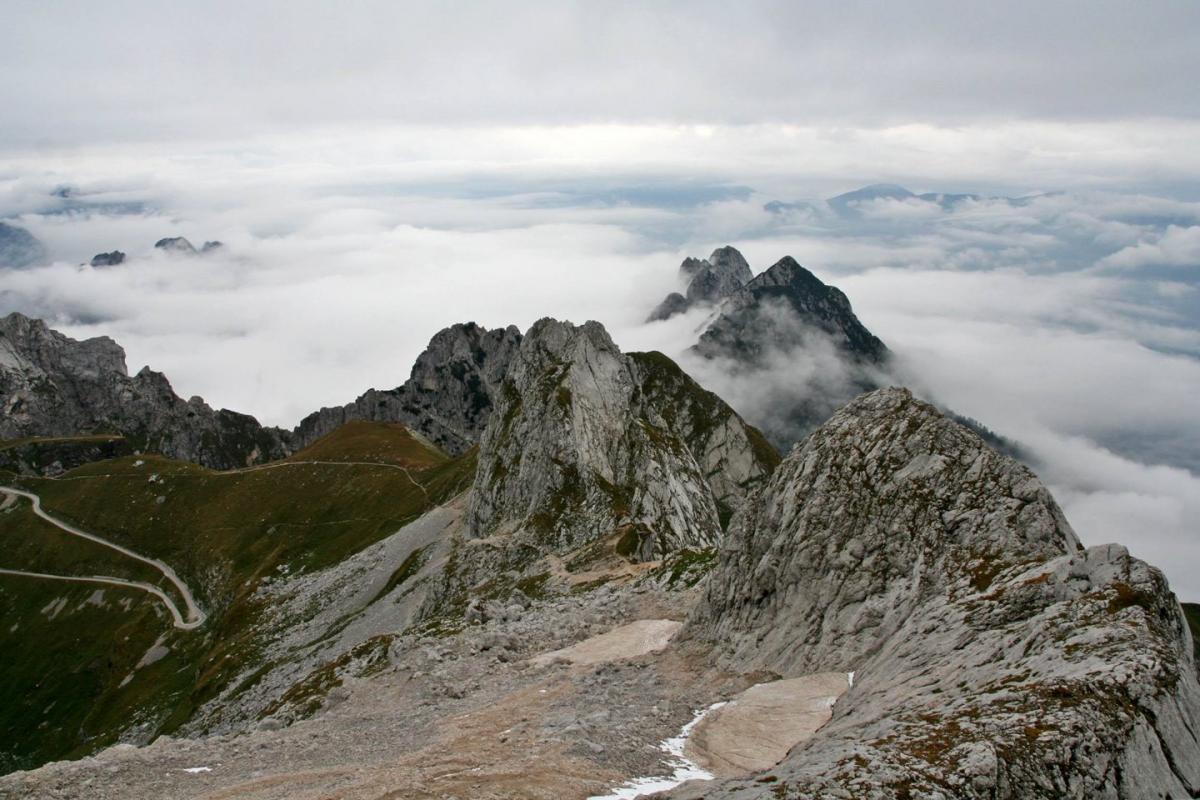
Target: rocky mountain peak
[[787, 319], [115, 258], [780, 308], [175, 244], [708, 281], [52, 385], [587, 442], [990, 651], [927, 494], [728, 260], [448, 397], [19, 248], [36, 350]]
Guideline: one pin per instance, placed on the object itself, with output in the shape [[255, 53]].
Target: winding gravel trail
[[195, 617], [271, 465], [280, 464], [179, 621]]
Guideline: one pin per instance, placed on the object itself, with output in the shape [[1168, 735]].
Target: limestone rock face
[[587, 442], [993, 656], [448, 397], [51, 385], [725, 272], [708, 282]]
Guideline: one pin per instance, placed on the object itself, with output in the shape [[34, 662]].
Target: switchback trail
[[195, 617], [179, 621]]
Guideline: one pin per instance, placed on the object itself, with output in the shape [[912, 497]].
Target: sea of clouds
[[1062, 313]]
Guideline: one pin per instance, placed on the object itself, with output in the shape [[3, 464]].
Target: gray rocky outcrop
[[672, 304], [52, 457], [993, 656], [587, 442], [115, 258], [51, 385], [708, 282], [175, 244], [448, 397], [19, 248]]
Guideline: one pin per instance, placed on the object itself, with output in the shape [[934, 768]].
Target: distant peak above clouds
[[19, 248], [708, 282], [175, 244]]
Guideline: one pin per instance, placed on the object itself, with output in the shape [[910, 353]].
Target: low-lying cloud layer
[[1062, 314]]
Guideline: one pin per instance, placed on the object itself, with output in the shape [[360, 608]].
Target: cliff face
[[993, 656], [448, 397], [51, 385], [587, 442]]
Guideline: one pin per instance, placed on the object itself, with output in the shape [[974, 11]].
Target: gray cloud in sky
[[81, 73]]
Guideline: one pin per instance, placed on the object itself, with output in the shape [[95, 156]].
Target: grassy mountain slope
[[225, 534]]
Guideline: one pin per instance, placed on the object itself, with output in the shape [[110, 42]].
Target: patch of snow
[[850, 679], [685, 768], [196, 770], [55, 607], [157, 652]]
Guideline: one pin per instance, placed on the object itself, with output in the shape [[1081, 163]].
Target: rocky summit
[[175, 244], [798, 341], [782, 309], [112, 259], [708, 282], [589, 442], [992, 655], [55, 386], [448, 398], [19, 248]]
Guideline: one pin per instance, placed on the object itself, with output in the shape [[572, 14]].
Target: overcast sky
[[80, 72], [379, 170]]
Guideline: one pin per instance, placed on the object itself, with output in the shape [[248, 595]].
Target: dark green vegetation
[[31, 544], [224, 533], [685, 568], [380, 442]]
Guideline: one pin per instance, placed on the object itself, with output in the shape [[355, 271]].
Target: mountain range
[[545, 567]]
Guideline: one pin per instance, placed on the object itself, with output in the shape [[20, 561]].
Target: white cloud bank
[[380, 170]]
